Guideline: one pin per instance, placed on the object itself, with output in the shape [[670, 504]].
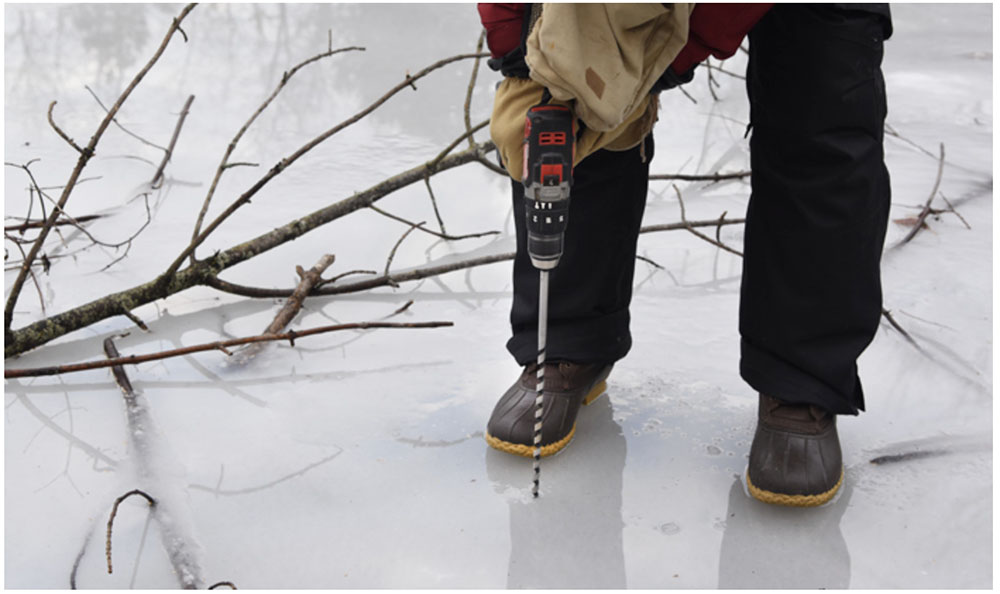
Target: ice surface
[[357, 459]]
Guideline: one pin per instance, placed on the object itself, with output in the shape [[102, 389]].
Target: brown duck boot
[[795, 455], [567, 385]]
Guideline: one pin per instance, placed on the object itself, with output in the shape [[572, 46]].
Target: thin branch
[[120, 127], [888, 316], [426, 230], [135, 320], [231, 585], [723, 71], [37, 224], [434, 204], [713, 177], [290, 336], [927, 206], [158, 176], [292, 306], [62, 134], [468, 92], [690, 228], [649, 261], [392, 253], [951, 209], [85, 156], [114, 512], [224, 163]]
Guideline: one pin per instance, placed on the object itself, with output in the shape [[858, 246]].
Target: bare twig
[[135, 320], [114, 512], [224, 164], [690, 228], [85, 155], [951, 209], [120, 127], [158, 176], [713, 177], [62, 134], [392, 253], [723, 71], [649, 261], [290, 336], [37, 224], [292, 306], [468, 92], [426, 230], [711, 80], [434, 204], [686, 94], [927, 206], [888, 316]]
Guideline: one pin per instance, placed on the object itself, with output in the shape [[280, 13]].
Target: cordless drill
[[547, 175]]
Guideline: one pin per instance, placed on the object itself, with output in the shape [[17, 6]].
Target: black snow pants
[[811, 295]]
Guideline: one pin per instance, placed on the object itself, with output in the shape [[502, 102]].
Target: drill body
[[547, 176]]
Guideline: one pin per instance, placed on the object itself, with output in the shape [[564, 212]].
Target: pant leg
[[591, 288], [811, 293]]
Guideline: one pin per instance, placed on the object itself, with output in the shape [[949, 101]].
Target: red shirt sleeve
[[503, 24], [717, 29]]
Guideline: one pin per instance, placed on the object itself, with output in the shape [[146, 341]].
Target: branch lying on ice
[[85, 155], [177, 542], [114, 512], [202, 271], [308, 279], [221, 345]]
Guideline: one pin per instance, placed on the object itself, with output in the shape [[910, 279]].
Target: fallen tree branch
[[181, 551], [85, 157], [201, 272], [290, 336]]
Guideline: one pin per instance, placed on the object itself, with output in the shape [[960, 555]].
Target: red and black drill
[[549, 147]]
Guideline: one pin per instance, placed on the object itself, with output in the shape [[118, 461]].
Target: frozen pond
[[357, 459]]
